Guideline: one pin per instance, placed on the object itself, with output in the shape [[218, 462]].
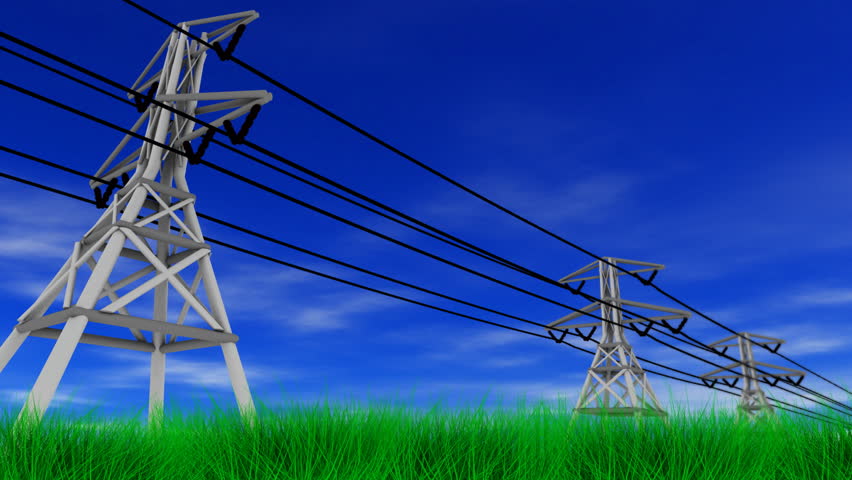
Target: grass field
[[383, 443]]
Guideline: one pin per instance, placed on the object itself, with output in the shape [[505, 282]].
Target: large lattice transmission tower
[[157, 191], [753, 402], [614, 364]]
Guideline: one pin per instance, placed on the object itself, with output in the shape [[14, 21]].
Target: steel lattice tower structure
[[614, 363], [753, 402], [158, 185]]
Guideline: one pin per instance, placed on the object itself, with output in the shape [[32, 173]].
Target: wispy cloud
[[549, 204], [824, 296], [509, 362], [43, 227], [808, 339], [136, 372], [279, 296], [18, 396]]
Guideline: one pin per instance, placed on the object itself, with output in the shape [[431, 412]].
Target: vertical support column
[[157, 388], [753, 402], [610, 332], [211, 286]]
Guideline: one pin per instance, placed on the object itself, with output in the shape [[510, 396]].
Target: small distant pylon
[[614, 360], [753, 404]]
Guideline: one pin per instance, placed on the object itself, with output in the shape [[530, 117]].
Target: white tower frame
[[176, 84], [753, 402], [614, 359]]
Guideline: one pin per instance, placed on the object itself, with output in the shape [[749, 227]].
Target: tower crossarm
[[241, 102], [184, 97], [218, 35], [569, 278], [789, 374], [597, 305], [772, 341]]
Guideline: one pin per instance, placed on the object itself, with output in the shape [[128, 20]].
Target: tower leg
[[10, 346], [585, 392], [156, 405], [157, 391], [239, 382], [47, 381]]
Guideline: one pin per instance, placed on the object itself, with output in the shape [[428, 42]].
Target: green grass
[[379, 442]]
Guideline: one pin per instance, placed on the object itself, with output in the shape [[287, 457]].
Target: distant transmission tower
[[614, 363], [178, 85], [753, 402]]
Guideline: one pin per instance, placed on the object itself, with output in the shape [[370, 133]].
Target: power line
[[494, 258], [69, 77], [294, 200], [234, 247], [265, 237], [106, 123], [500, 259], [800, 387], [272, 154], [319, 210], [223, 145], [448, 179], [504, 262], [93, 118]]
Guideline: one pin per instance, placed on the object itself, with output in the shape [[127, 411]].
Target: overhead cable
[[408, 157], [201, 215], [522, 269], [272, 154], [222, 170]]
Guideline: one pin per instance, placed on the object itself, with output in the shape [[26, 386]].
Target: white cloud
[[824, 296], [809, 344], [279, 295], [136, 371], [35, 247], [547, 204], [508, 362], [489, 339], [18, 396], [29, 289]]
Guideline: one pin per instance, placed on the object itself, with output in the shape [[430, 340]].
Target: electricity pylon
[[753, 402], [614, 359], [177, 84]]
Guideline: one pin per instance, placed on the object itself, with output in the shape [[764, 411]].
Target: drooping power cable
[[231, 57]]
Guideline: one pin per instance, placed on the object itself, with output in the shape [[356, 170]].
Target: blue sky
[[712, 139]]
